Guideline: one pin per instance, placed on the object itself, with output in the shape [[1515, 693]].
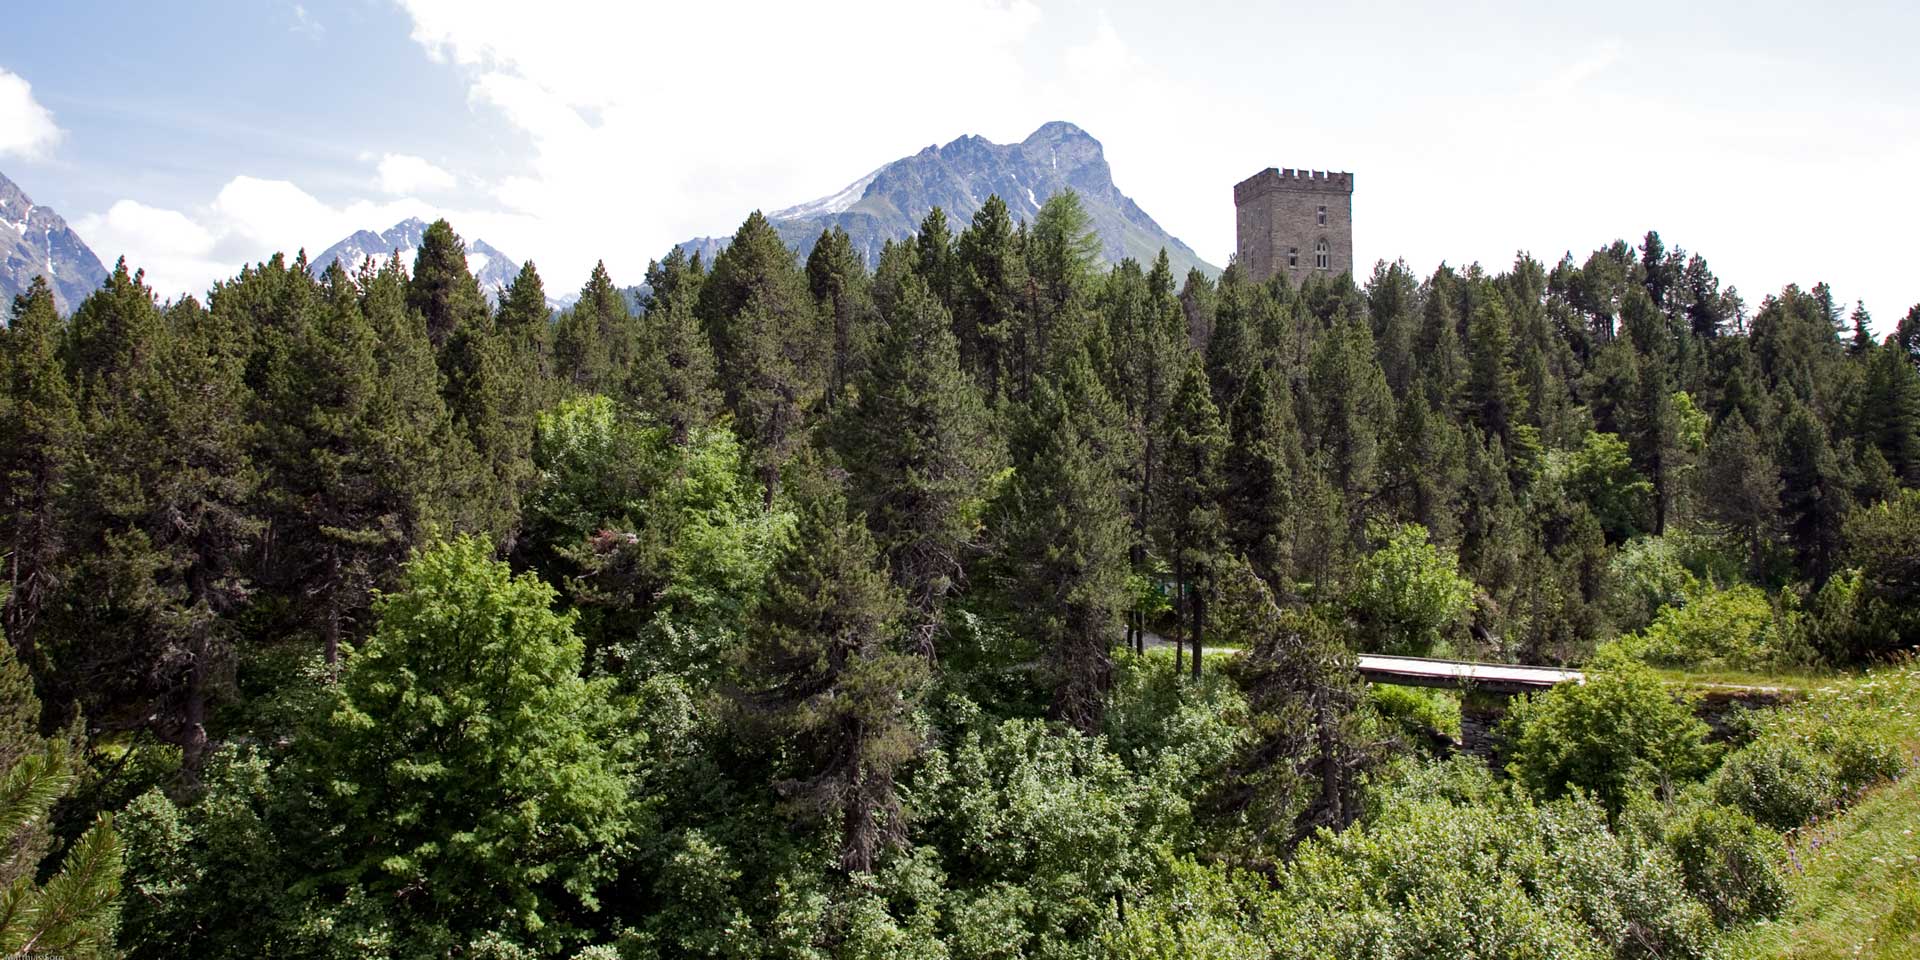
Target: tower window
[[1323, 256], [1293, 256], [1323, 215]]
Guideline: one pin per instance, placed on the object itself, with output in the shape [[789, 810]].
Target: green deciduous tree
[[467, 694], [1407, 596]]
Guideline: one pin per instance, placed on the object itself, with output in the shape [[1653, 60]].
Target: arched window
[[1323, 256]]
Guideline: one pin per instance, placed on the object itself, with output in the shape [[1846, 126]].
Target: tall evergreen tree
[[441, 289], [1262, 465], [167, 506], [1064, 530], [593, 341], [766, 341], [990, 277], [39, 442], [1493, 399], [1351, 403], [674, 372], [1813, 493], [936, 260], [824, 676], [1192, 527], [841, 287], [1889, 416], [1742, 488], [917, 446]]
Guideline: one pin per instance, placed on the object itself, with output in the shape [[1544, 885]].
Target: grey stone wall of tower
[[1295, 222]]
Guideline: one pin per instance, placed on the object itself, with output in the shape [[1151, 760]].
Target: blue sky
[[1780, 140]]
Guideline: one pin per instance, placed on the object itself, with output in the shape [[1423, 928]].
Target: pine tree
[[39, 442], [526, 322], [989, 282], [1191, 526], [1889, 417], [74, 912], [673, 374], [672, 279], [165, 512], [1233, 352], [767, 343], [1493, 399], [917, 446], [593, 342], [1351, 403], [441, 289], [1813, 493], [825, 678], [1065, 531], [1302, 769], [1426, 467], [1262, 465], [844, 293], [936, 261], [1742, 488]]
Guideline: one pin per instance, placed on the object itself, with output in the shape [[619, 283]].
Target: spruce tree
[[917, 445], [39, 441], [823, 675], [1065, 532], [1192, 528]]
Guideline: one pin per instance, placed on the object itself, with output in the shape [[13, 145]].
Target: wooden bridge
[[1504, 678]]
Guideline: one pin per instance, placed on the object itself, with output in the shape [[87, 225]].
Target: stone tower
[[1294, 222]]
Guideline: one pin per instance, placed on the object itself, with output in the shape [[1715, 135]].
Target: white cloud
[[26, 128], [250, 219], [652, 123], [401, 174]]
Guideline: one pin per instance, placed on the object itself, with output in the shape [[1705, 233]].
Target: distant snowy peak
[[494, 270], [36, 242], [838, 203], [959, 177]]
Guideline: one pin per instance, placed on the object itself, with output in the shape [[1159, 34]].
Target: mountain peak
[[35, 241], [1055, 130], [488, 265], [958, 177]]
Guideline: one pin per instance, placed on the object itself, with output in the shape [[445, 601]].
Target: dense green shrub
[[1421, 716], [1645, 576], [1711, 629], [1730, 863], [1619, 732], [1780, 782], [1408, 596]]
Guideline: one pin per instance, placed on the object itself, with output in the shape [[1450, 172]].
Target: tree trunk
[[193, 739], [1199, 627], [1179, 613]]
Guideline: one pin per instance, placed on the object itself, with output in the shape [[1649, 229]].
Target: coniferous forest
[[987, 603]]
